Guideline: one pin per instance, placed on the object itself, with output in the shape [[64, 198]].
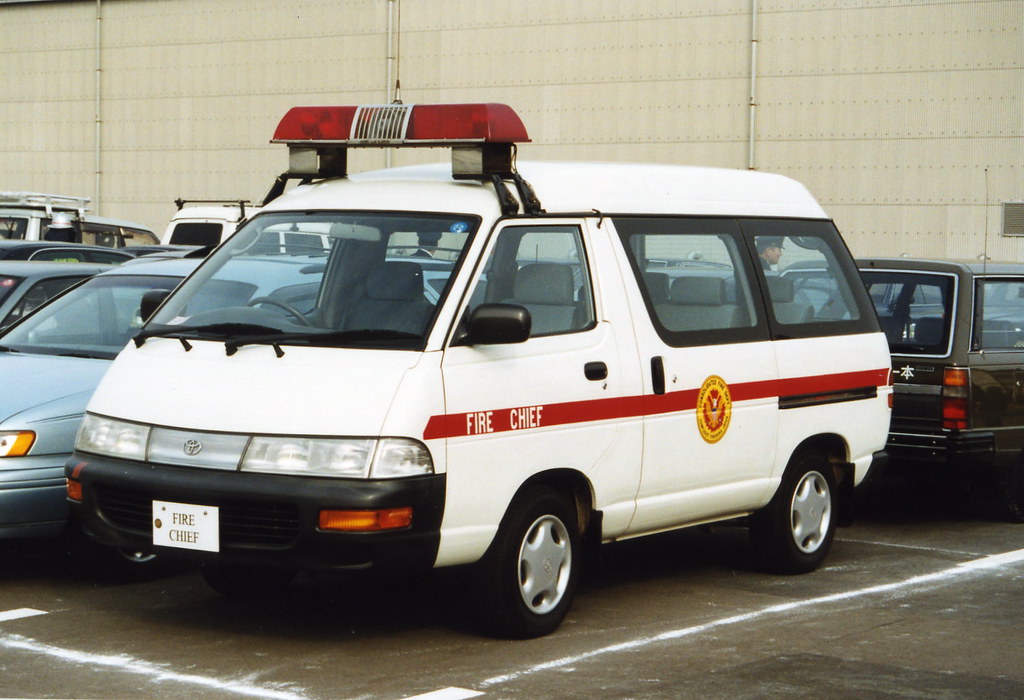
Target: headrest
[[780, 289], [657, 286], [698, 291], [395, 281], [544, 283]]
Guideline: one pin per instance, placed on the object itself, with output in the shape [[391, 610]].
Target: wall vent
[[1013, 218]]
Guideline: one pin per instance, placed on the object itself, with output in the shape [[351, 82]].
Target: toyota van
[[489, 363]]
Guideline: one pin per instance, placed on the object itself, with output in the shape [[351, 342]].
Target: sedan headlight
[[354, 458], [16, 443], [114, 438]]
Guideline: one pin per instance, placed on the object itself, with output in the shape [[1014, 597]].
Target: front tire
[[529, 575], [794, 532]]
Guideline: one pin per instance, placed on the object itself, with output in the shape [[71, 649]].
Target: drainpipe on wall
[[751, 158], [99, 105]]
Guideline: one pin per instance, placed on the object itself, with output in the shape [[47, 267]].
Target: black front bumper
[[953, 449], [265, 520]]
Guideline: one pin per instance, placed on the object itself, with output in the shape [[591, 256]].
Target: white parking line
[[447, 694], [984, 564], [19, 613], [155, 672]]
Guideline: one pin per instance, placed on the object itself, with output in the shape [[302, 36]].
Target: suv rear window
[[914, 309], [196, 233]]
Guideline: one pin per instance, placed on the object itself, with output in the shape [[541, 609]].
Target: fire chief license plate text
[[186, 526]]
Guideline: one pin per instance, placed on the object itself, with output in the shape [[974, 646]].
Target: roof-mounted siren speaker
[[481, 135]]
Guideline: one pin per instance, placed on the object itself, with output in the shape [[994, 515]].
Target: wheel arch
[[837, 451], [571, 484]]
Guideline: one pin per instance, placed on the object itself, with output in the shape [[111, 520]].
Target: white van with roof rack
[[37, 216], [488, 364], [207, 224]]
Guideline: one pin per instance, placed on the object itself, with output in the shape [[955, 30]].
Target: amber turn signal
[[366, 520], [74, 490]]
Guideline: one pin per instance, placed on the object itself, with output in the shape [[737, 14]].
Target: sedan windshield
[[327, 279], [95, 319]]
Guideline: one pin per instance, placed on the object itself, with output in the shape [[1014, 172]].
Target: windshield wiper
[[231, 345], [210, 329], [87, 355], [4, 348]]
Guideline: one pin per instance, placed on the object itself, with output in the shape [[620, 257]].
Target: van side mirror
[[150, 300], [497, 324]]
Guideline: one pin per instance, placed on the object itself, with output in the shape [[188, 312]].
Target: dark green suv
[[956, 335]]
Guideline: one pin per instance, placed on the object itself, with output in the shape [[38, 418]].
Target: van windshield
[[322, 278]]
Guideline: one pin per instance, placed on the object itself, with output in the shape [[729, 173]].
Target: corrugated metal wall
[[904, 117]]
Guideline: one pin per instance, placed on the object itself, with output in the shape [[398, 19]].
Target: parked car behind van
[[50, 363], [25, 285], [493, 365], [956, 333], [49, 251], [30, 215], [207, 224]]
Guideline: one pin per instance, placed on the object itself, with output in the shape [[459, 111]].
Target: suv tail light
[[955, 384]]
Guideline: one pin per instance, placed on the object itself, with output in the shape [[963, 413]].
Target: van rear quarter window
[[697, 279]]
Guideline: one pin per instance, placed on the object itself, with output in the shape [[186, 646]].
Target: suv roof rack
[[49, 202]]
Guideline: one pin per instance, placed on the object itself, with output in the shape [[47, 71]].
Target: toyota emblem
[[192, 447]]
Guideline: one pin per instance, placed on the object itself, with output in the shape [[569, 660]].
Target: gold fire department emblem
[[714, 409]]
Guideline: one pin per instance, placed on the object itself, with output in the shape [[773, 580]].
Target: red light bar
[[401, 125]]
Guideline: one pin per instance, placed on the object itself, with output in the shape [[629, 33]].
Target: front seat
[[546, 290], [393, 300]]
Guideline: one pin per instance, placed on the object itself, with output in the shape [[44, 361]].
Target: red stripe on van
[[502, 420]]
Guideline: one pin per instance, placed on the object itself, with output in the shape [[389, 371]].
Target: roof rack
[[49, 202], [240, 203]]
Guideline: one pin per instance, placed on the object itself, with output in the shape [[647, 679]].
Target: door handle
[[658, 374], [595, 371]]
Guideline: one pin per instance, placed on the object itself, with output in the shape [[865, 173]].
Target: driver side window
[[543, 269]]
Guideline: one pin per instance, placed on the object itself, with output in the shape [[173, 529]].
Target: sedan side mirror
[[151, 299]]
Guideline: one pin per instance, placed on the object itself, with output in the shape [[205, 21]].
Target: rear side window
[[915, 309], [61, 255], [999, 318], [37, 295], [13, 227], [695, 279], [115, 236]]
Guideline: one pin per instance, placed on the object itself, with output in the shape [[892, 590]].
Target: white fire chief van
[[491, 364]]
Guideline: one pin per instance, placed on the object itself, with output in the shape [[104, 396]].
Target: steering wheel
[[282, 305]]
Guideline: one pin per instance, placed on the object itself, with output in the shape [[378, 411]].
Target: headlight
[[115, 438], [17, 443], [308, 456], [353, 458]]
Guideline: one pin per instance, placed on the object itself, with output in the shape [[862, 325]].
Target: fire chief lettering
[[714, 409]]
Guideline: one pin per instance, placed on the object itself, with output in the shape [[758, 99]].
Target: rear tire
[[527, 579], [794, 532]]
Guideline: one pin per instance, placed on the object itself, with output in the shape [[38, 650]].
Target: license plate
[[186, 526]]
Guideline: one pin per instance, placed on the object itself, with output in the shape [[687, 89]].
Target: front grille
[[242, 523]]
